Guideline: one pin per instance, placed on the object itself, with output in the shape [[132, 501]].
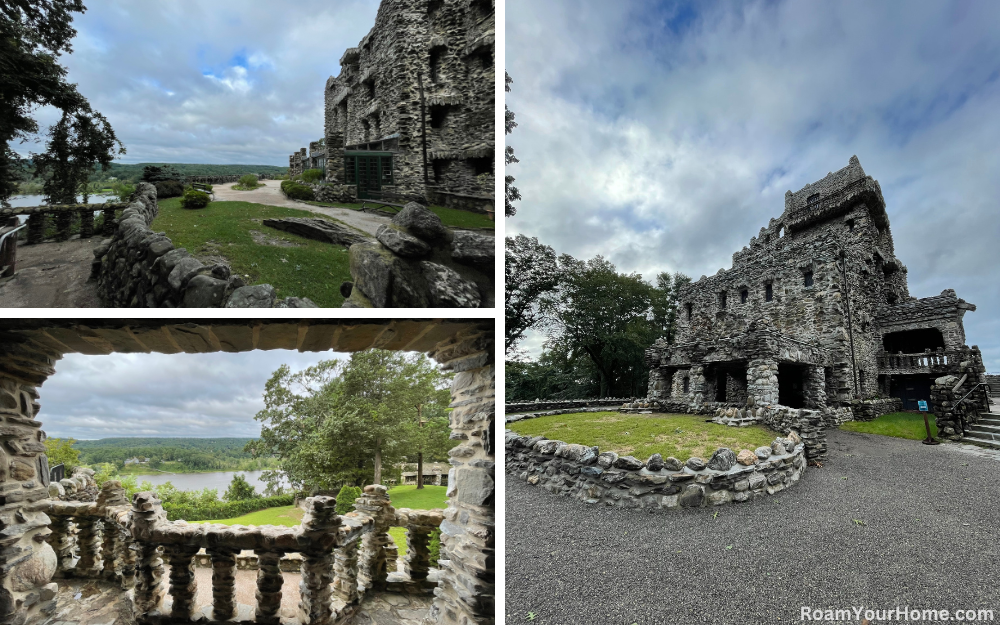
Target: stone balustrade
[[340, 557], [63, 215]]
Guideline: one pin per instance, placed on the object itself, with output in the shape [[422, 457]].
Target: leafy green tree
[[532, 275], [61, 451], [346, 497], [239, 489], [510, 191], [33, 34], [664, 302]]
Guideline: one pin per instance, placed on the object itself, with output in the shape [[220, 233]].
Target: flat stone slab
[[318, 229]]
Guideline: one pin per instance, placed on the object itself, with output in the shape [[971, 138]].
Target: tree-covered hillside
[[197, 454]]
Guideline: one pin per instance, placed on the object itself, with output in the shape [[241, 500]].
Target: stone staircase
[[986, 432]]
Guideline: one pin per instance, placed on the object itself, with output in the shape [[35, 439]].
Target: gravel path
[[271, 195], [760, 562]]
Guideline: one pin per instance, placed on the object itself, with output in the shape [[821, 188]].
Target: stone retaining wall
[[588, 475], [547, 413], [870, 409], [139, 268]]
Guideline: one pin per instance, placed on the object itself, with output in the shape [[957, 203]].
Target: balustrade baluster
[[377, 548], [110, 552], [418, 553], [146, 513], [62, 542], [86, 223], [319, 524], [223, 582], [108, 227], [88, 537], [36, 227], [63, 220], [183, 586], [345, 569], [269, 581]]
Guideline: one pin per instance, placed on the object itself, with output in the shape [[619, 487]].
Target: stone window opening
[[438, 167], [768, 291], [913, 341], [689, 308], [812, 199], [485, 56], [370, 86], [850, 225], [686, 384], [481, 8], [744, 294], [781, 231], [436, 61], [439, 113], [481, 165], [807, 278], [722, 300], [365, 130], [433, 6], [791, 384]]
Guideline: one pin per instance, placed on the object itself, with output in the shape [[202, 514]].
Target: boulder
[[655, 462], [319, 230], [672, 464], [402, 243], [255, 296], [372, 272], [204, 292], [422, 223], [629, 463], [695, 463], [296, 302], [763, 452], [447, 289], [722, 460], [606, 459], [746, 458], [473, 248]]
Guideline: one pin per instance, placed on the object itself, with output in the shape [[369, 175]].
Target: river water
[[197, 481], [20, 201]]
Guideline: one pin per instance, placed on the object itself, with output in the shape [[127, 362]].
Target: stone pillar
[[269, 581], [697, 386], [63, 542], [815, 388], [762, 382], [335, 158], [465, 593], [373, 567], [223, 582], [108, 225], [27, 560], [88, 538], [659, 385], [183, 586], [345, 572], [418, 555], [86, 223], [319, 525], [36, 227], [146, 513]]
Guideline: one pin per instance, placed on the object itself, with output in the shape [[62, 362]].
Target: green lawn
[[402, 497], [310, 269], [897, 424], [680, 436], [451, 217]]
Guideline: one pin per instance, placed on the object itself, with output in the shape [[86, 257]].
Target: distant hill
[[134, 172], [181, 443], [192, 453]]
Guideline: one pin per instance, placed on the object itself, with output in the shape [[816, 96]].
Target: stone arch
[[30, 349]]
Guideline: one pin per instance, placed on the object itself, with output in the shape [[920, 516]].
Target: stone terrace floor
[[929, 539], [92, 602]]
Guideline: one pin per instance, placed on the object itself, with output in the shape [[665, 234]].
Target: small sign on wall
[[922, 405]]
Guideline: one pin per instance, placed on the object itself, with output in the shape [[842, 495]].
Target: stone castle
[[815, 313], [411, 115]]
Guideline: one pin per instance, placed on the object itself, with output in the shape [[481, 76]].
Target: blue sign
[[922, 405]]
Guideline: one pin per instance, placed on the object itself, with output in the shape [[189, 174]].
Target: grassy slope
[[680, 436], [402, 497], [897, 424], [313, 269], [451, 217]]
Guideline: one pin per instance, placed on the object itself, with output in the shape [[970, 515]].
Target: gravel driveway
[[271, 195], [928, 538]]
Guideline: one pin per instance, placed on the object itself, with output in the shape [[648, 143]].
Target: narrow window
[[689, 308], [808, 278], [768, 292], [482, 165], [743, 296], [386, 169], [437, 59], [722, 299], [687, 384], [371, 88], [438, 168], [438, 115], [850, 225], [812, 198]]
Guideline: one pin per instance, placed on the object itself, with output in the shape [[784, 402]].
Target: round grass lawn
[[897, 424], [293, 265], [679, 435], [428, 498]]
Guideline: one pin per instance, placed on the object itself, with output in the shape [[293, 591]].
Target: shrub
[[297, 191], [123, 191], [249, 181], [239, 489], [168, 188], [312, 175], [346, 497], [218, 510], [194, 198]]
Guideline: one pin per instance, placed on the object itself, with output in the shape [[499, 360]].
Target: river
[[197, 481], [20, 201]]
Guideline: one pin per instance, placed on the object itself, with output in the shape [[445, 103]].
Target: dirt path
[[271, 195], [52, 275]]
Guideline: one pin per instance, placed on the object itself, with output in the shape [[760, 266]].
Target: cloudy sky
[[663, 135], [201, 395], [211, 81]]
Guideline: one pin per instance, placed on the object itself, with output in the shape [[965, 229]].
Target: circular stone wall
[[586, 474]]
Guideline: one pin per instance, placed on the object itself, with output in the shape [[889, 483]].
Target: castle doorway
[[911, 389], [791, 384]]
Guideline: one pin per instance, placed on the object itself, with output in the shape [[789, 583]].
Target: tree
[[340, 422], [532, 273], [604, 315], [61, 451], [33, 34], [665, 299], [239, 489], [154, 174], [510, 191]]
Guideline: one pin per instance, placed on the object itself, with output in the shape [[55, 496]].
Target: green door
[[369, 172]]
